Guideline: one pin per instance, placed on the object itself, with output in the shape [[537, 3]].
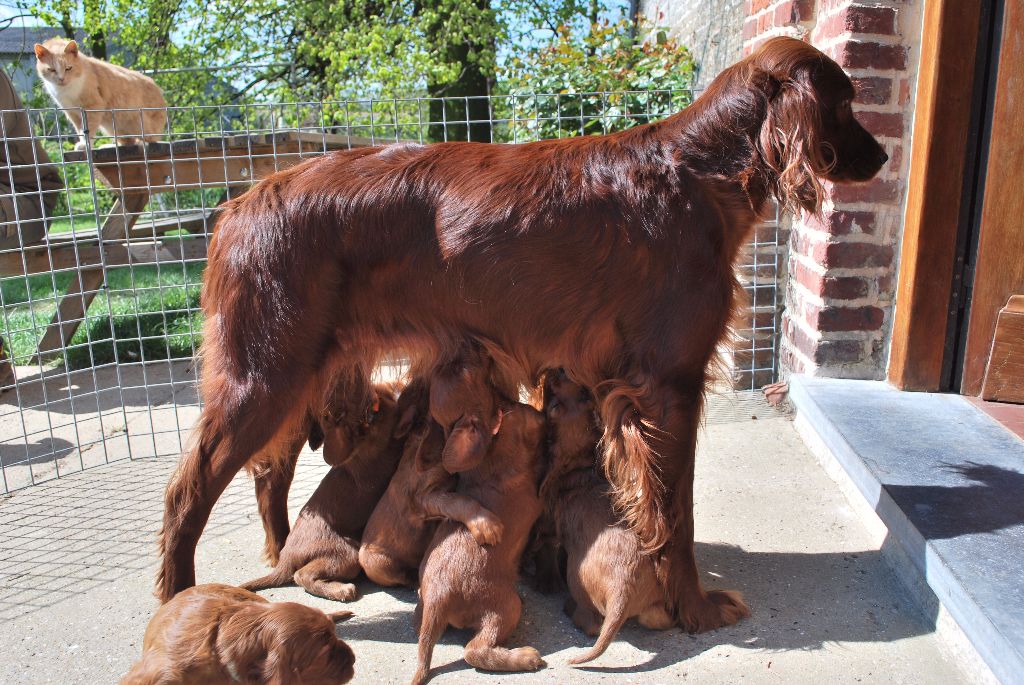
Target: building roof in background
[[18, 40]]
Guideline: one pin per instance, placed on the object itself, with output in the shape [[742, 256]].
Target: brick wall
[[839, 293]]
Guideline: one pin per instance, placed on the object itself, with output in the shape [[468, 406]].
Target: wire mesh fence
[[105, 230]]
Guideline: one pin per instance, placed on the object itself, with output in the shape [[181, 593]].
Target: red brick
[[843, 222], [758, 5], [896, 157], [836, 287], [845, 288], [856, 255], [872, 90], [798, 338], [803, 244], [838, 352], [804, 9], [790, 361], [855, 54], [808, 278], [888, 124], [792, 12], [877, 190], [749, 28], [861, 19], [848, 319], [904, 91]]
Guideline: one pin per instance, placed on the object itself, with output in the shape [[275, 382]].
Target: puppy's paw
[[486, 530], [81, 145], [528, 659]]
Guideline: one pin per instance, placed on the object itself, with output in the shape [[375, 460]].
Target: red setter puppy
[[420, 493], [345, 413], [609, 256], [322, 552], [468, 586], [608, 573], [222, 635]]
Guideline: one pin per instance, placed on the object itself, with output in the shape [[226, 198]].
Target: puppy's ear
[[407, 421], [791, 143], [430, 447], [466, 445]]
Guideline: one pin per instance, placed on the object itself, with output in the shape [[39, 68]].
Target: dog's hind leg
[[483, 651], [273, 480], [325, 576], [203, 474]]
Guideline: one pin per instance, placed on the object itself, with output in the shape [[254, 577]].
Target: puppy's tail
[[432, 625], [282, 575], [613, 622]]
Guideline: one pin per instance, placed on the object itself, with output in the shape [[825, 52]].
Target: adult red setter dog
[[609, 256]]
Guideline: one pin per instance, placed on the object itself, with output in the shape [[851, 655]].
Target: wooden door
[[999, 266]]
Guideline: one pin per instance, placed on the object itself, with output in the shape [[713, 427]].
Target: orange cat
[[78, 82]]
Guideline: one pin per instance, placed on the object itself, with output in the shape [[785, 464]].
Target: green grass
[[145, 314]]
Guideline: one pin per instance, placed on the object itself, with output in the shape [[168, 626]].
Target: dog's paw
[[486, 530], [81, 145], [720, 608], [528, 659]]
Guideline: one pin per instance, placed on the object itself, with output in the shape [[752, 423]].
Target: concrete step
[[947, 481]]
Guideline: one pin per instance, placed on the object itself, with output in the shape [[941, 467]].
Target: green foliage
[[598, 80], [148, 313]]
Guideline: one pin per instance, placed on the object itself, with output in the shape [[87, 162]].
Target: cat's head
[[57, 61]]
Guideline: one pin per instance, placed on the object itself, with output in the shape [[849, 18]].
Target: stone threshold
[[947, 483]]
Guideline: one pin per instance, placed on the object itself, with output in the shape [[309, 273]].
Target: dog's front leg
[[482, 523]]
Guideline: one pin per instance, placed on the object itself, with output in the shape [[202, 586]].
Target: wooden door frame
[[942, 119]]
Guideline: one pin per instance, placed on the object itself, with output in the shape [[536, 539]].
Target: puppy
[[222, 635], [608, 574], [467, 402], [420, 493], [322, 550], [468, 586]]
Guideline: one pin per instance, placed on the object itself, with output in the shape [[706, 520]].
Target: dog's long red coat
[[609, 256]]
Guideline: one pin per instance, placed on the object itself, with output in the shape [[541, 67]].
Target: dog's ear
[[431, 444], [407, 421], [466, 445], [791, 143]]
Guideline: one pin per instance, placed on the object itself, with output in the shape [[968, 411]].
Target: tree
[[598, 80]]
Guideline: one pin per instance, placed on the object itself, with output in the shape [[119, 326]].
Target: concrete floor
[[77, 559]]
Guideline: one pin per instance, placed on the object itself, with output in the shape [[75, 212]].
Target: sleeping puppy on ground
[[322, 550], [420, 493], [608, 574], [223, 635], [467, 585]]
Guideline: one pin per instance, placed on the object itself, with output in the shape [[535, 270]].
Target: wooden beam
[[999, 268], [935, 182], [75, 303]]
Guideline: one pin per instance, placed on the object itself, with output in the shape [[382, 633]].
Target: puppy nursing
[[222, 635], [322, 551], [466, 585], [608, 574]]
